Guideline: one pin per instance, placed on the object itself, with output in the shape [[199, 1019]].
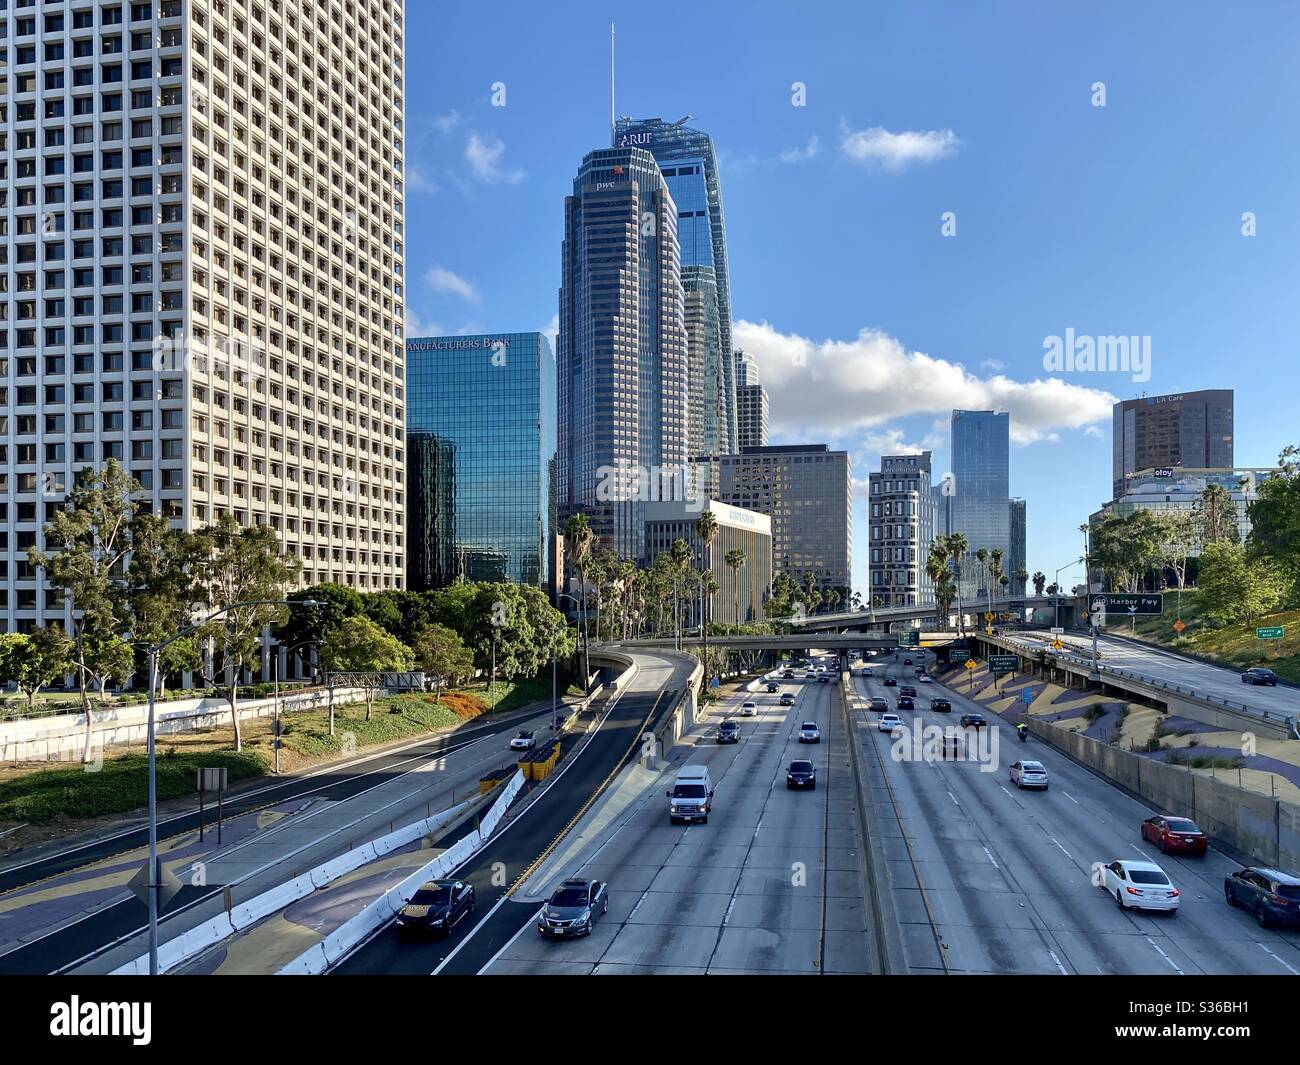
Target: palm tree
[[956, 547], [995, 575], [577, 545], [735, 558], [936, 568], [1022, 576], [706, 528], [1040, 579], [679, 558]]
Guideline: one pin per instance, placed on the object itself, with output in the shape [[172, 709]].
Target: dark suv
[[941, 706], [801, 774], [1272, 896], [728, 732]]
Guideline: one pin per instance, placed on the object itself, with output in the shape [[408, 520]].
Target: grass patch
[[1232, 645], [307, 734], [121, 785], [1204, 761]]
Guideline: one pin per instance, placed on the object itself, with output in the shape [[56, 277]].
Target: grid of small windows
[[901, 530], [183, 171]]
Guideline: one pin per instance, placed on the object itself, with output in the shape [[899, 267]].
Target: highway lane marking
[[1138, 849], [508, 944], [1006, 793], [992, 859], [954, 799], [104, 949], [1064, 970], [1282, 963], [726, 917], [1172, 964], [1060, 848], [1071, 798]]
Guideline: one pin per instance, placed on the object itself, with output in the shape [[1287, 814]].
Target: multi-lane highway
[[985, 878], [73, 908], [772, 882]]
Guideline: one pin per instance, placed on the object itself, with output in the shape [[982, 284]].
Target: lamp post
[[1057, 581], [154, 651]]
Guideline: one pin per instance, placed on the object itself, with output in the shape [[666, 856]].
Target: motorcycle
[[1023, 732]]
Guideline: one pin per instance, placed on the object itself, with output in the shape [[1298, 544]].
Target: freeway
[[771, 884], [1168, 668], [513, 850], [84, 917], [988, 879]]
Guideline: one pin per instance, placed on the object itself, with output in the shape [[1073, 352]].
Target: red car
[[1175, 835]]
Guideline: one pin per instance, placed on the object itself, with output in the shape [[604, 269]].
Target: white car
[[889, 722], [1139, 886], [809, 733], [523, 742], [925, 678], [1029, 775], [748, 709]]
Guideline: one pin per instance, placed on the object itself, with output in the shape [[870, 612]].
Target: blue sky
[[868, 322]]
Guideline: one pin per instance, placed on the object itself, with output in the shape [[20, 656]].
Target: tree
[[442, 654], [996, 573], [161, 592], [235, 565], [1275, 520], [735, 558], [109, 659], [360, 646], [937, 569], [707, 529], [34, 660], [955, 548], [311, 626], [1217, 516], [1234, 588], [89, 541], [1022, 577], [679, 558], [1040, 579], [577, 545], [1179, 539]]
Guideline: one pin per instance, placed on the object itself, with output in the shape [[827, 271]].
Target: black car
[[907, 661], [801, 774], [573, 908], [728, 732], [890, 682], [973, 721], [773, 686], [1272, 896], [435, 908], [905, 702], [1259, 675], [907, 689], [941, 706], [878, 704]]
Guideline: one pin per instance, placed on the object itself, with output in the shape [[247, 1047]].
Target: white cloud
[[798, 155], [552, 330], [446, 123], [894, 151], [445, 281], [996, 365], [420, 180], [484, 160], [419, 326], [873, 379], [1094, 430]]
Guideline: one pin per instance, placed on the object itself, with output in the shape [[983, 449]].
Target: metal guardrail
[[1086, 661]]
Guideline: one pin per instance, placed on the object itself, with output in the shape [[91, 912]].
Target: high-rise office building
[[807, 491], [979, 505], [746, 368], [1192, 429], [204, 257], [1017, 551], [689, 164], [902, 529], [751, 416], [622, 364], [481, 429]]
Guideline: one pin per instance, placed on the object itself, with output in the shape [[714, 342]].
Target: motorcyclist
[[1022, 730]]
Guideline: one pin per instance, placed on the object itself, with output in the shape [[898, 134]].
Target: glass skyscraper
[[689, 164], [622, 364], [481, 438], [1190, 429], [979, 505]]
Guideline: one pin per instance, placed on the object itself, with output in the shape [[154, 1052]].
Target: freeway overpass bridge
[[1044, 612], [827, 641]]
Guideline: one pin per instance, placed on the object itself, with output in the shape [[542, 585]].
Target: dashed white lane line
[[1005, 792], [991, 858], [1071, 798], [954, 799], [726, 918], [1060, 848], [1282, 963], [1064, 970], [1172, 964]]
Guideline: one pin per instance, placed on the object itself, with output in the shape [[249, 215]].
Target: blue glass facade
[[689, 164], [980, 504], [481, 440]]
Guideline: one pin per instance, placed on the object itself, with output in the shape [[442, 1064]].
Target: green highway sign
[[1003, 663], [909, 638], [1272, 633], [1131, 605]]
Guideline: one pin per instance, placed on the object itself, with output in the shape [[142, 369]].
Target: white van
[[692, 796]]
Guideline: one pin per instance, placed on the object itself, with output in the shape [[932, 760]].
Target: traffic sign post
[[1146, 604], [970, 673], [1003, 663], [1273, 632], [1179, 626]]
